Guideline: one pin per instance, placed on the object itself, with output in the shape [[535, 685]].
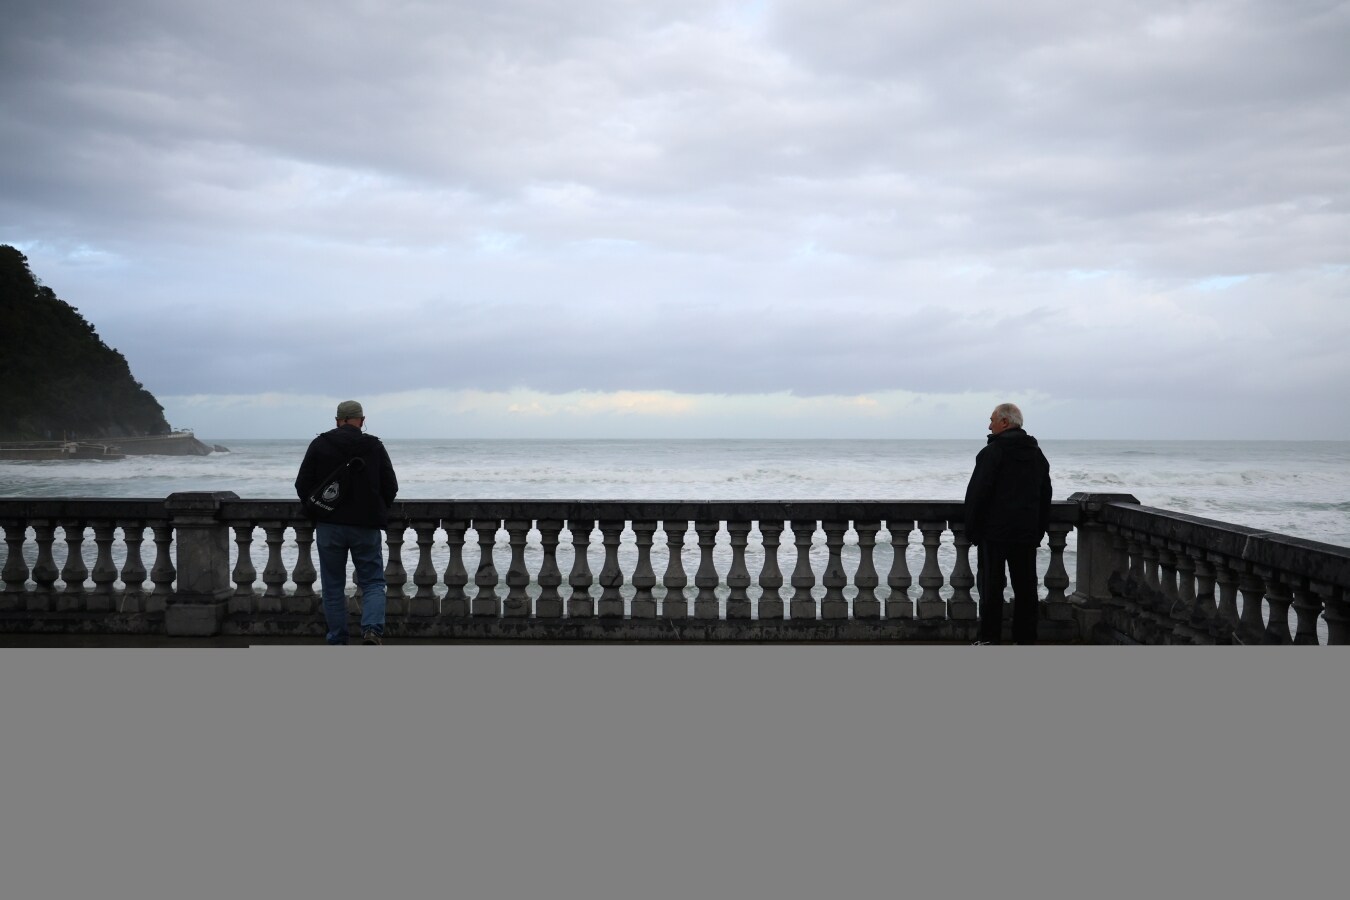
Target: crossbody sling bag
[[330, 493]]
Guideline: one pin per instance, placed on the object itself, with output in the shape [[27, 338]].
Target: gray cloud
[[701, 197]]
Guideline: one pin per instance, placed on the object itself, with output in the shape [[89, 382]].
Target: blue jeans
[[364, 544]]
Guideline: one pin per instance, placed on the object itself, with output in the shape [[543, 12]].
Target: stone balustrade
[[1162, 577], [660, 571]]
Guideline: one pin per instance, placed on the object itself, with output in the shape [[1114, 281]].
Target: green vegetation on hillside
[[57, 377]]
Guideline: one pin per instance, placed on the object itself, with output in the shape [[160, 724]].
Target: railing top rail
[[1063, 512], [657, 510], [82, 507], [1314, 560]]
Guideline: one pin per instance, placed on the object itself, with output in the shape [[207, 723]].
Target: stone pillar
[[424, 604], [44, 572], [931, 579], [456, 603], [580, 604], [706, 578], [865, 604], [202, 543], [517, 604], [104, 573], [1099, 557], [674, 605], [245, 573], [961, 606], [1056, 608], [395, 573], [15, 574], [550, 604], [644, 576], [738, 576], [611, 576], [803, 603], [770, 576], [74, 573], [833, 605], [486, 602], [899, 580]]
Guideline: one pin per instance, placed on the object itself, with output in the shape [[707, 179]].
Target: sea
[[1298, 488]]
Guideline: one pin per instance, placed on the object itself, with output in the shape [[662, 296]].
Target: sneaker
[[371, 637]]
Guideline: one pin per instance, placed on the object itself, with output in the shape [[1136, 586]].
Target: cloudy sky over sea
[[777, 218]]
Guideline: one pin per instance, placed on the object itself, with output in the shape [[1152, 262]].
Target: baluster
[[105, 573], [133, 569], [803, 605], [611, 578], [706, 578], [833, 605], [738, 576], [1280, 599], [1205, 611], [580, 603], [162, 573], [770, 576], [74, 573], [898, 604], [644, 576], [455, 604], [304, 599], [424, 603], [930, 578], [1148, 554], [1186, 601], [15, 573], [1337, 613], [1130, 580], [1057, 608], [1167, 578], [244, 574], [866, 605], [550, 605], [1118, 582], [485, 602], [517, 603], [674, 605], [45, 573], [1253, 589], [1307, 607], [1227, 580], [395, 575], [962, 606], [274, 573]]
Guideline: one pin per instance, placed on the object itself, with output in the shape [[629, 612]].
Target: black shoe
[[371, 637]]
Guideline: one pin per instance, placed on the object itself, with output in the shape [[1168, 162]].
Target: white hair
[[1008, 412]]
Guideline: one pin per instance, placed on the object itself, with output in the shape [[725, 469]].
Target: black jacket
[[377, 484], [1008, 498]]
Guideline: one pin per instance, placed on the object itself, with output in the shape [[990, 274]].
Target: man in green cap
[[356, 481]]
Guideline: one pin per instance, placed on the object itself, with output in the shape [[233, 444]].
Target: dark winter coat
[[375, 482], [1008, 498]]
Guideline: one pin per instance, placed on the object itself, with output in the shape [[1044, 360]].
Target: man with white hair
[[1007, 513]]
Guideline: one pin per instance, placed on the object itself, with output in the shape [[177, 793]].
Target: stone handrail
[[1154, 573], [718, 571]]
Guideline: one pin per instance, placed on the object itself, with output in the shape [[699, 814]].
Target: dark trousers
[[1020, 561]]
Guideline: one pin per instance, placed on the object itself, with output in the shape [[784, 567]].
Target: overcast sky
[[782, 218]]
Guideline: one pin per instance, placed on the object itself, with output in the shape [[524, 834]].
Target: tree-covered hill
[[57, 377]]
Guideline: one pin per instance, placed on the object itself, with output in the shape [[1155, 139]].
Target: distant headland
[[62, 384]]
